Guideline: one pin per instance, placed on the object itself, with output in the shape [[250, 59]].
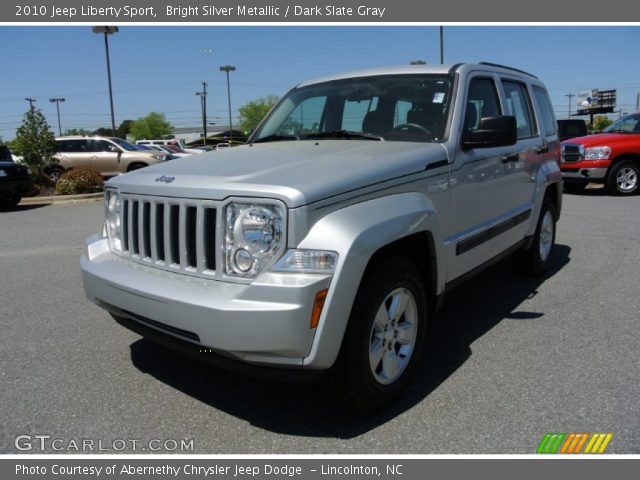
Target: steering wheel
[[415, 126]]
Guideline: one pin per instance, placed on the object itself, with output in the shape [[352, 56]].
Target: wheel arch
[[361, 234]]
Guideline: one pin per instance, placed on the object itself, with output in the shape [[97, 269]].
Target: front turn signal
[[318, 303]]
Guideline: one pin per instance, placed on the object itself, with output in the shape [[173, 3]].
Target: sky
[[160, 68]]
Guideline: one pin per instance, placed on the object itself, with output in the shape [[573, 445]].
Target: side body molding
[[356, 233]]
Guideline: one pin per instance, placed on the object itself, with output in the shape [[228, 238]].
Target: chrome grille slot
[[179, 235], [209, 238], [159, 232], [134, 228], [174, 234], [190, 236]]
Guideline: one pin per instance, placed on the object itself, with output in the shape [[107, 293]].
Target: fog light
[[243, 260]]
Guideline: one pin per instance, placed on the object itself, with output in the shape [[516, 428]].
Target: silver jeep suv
[[108, 155], [325, 245]]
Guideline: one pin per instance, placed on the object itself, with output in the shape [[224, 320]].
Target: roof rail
[[489, 64]]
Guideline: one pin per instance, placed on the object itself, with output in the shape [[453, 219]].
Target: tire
[[623, 178], [378, 355], [54, 174], [535, 259], [574, 187]]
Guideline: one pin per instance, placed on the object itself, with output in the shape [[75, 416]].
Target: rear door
[[525, 160], [74, 153]]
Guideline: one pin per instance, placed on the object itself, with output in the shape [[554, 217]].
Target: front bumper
[[588, 173], [265, 322]]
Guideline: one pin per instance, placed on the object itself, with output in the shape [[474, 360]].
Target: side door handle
[[543, 149], [512, 157]]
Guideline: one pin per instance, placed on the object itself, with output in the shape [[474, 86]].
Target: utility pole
[[638, 103], [570, 95], [441, 45], [30, 100], [203, 105]]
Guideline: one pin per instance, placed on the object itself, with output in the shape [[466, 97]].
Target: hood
[[296, 172], [599, 139]]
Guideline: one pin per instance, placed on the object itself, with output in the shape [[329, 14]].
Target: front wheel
[[535, 259], [384, 338], [11, 201], [623, 178]]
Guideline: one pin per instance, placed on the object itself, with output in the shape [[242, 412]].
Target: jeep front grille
[[572, 153], [172, 234]]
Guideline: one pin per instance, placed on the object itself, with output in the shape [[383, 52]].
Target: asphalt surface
[[510, 359]]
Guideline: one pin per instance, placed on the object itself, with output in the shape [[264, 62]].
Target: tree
[[77, 131], [154, 125], [35, 142], [252, 113], [124, 129], [600, 123]]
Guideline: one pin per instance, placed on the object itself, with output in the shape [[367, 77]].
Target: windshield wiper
[[618, 130], [344, 134], [275, 138]]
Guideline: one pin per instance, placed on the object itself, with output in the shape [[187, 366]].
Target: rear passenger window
[[519, 105], [546, 112]]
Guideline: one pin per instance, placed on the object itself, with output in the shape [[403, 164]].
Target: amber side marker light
[[318, 303]]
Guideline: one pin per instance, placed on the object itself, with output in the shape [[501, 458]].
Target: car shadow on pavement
[[24, 208], [301, 409]]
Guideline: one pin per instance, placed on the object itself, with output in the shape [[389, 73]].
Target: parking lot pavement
[[509, 360]]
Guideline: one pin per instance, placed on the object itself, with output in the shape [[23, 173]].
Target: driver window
[[482, 101]]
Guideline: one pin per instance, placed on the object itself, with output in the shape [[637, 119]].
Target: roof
[[435, 69]]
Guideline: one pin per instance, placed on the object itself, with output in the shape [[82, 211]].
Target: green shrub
[[80, 180]]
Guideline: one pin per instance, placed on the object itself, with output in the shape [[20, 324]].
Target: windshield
[[124, 144], [628, 124], [408, 108]]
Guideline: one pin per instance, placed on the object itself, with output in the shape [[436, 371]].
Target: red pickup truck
[[611, 157]]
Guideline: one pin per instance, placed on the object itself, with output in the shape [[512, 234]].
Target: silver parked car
[[324, 246]]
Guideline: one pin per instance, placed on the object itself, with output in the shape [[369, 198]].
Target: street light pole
[[107, 30], [570, 95], [441, 45], [203, 106], [57, 102], [227, 69]]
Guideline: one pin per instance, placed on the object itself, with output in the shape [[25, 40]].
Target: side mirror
[[114, 149], [492, 132]]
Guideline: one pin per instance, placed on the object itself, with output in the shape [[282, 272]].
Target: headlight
[[113, 219], [597, 153], [253, 236], [307, 261]]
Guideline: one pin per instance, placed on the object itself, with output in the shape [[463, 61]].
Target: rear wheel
[[384, 338], [55, 173], [535, 259], [623, 178]]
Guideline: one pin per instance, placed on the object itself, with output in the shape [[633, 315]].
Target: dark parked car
[[571, 129], [15, 180]]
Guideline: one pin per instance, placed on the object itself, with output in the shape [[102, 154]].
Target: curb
[[60, 199]]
